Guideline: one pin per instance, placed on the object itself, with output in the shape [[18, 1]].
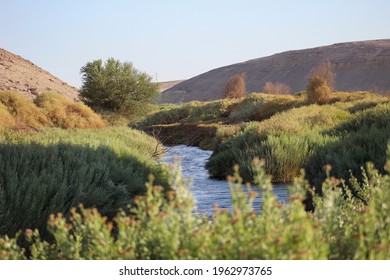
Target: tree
[[116, 86], [324, 71], [235, 87]]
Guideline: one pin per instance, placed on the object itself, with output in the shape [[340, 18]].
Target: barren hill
[[363, 65], [17, 73]]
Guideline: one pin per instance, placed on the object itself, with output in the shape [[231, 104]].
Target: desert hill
[[17, 73], [363, 65]]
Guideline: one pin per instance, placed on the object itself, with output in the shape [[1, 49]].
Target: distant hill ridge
[[17, 73], [362, 65]]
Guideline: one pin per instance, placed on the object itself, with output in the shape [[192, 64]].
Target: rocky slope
[[17, 73], [363, 65]]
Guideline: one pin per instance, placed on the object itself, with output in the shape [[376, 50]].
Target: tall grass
[[165, 226]]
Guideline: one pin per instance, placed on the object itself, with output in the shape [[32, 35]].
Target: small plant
[[235, 87]]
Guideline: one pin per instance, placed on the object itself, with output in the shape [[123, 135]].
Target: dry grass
[[6, 119], [23, 110], [65, 113]]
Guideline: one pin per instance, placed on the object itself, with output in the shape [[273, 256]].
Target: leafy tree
[[116, 86]]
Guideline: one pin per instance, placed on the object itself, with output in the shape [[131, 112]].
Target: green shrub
[[361, 139], [55, 170], [284, 141], [166, 227]]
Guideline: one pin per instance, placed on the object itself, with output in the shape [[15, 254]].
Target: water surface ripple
[[207, 191]]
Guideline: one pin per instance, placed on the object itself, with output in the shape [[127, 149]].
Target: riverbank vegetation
[[287, 131], [53, 170], [166, 227]]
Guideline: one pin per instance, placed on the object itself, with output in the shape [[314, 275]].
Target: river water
[[205, 190]]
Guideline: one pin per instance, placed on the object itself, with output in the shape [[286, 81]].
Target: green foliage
[[55, 170], [361, 139], [116, 86], [284, 141], [165, 226]]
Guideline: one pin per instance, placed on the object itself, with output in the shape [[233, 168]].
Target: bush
[[325, 72], [235, 87], [364, 138], [318, 91], [116, 86], [55, 170], [276, 88], [283, 141], [23, 110], [166, 227], [64, 113]]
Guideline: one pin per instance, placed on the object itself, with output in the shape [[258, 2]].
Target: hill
[[17, 73], [363, 65]]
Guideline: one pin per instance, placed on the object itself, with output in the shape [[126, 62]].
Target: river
[[205, 190]]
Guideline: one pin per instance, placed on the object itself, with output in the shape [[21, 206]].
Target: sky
[[174, 40]]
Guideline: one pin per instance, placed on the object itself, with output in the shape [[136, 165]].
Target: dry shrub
[[276, 88], [235, 87], [6, 119], [65, 113], [325, 71], [318, 91], [23, 110]]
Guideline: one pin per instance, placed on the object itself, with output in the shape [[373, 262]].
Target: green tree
[[116, 86]]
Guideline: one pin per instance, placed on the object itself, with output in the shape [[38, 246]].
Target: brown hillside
[[363, 65], [17, 73]]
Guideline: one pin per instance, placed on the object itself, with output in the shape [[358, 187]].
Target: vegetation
[[64, 113], [235, 87], [23, 110], [276, 88], [47, 110], [284, 130], [116, 86], [325, 72], [165, 226], [55, 170], [318, 91]]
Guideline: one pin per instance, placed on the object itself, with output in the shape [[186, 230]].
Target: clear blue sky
[[179, 39]]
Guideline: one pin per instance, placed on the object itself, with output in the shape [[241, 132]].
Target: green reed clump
[[363, 138], [55, 170], [284, 141], [166, 226]]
